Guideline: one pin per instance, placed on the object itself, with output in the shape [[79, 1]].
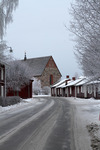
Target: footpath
[[85, 123]]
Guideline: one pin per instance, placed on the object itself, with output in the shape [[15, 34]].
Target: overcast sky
[[39, 29]]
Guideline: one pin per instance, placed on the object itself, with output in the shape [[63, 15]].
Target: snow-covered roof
[[37, 64], [73, 83], [60, 83], [93, 82], [87, 82], [84, 81]]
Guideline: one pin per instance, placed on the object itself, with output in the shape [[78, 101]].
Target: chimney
[[25, 56], [67, 76], [67, 79], [73, 78]]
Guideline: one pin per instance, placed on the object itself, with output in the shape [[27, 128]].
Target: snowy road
[[47, 126]]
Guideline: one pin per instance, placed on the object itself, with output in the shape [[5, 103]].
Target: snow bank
[[23, 104], [86, 123]]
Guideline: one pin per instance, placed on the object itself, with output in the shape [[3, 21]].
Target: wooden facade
[[57, 89], [2, 80], [25, 92]]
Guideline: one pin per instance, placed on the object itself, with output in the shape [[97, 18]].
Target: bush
[[46, 90], [11, 100]]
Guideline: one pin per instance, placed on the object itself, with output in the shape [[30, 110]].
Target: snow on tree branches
[[6, 9], [86, 28], [18, 74]]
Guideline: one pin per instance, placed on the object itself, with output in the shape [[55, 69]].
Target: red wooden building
[[25, 92], [2, 80], [81, 88], [57, 89]]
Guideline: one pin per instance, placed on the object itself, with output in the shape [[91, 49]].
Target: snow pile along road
[[94, 131], [86, 123], [25, 102]]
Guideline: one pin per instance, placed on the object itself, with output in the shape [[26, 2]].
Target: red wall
[[26, 92]]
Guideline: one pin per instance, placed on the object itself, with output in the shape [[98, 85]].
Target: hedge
[[10, 100]]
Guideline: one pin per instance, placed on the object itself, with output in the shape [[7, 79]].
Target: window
[[60, 91], [2, 74], [99, 89], [90, 89], [51, 79], [66, 91], [82, 89], [78, 89], [2, 91]]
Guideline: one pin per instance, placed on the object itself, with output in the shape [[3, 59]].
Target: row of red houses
[[81, 88]]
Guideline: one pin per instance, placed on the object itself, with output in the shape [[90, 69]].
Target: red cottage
[[2, 80], [25, 92], [57, 89], [71, 87]]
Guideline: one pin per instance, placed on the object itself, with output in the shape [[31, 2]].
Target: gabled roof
[[37, 64]]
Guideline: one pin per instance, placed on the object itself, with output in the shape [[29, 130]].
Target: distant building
[[81, 88], [44, 69]]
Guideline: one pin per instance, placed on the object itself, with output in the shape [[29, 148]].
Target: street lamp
[[10, 49]]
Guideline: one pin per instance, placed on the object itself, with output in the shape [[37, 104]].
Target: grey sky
[[38, 28]]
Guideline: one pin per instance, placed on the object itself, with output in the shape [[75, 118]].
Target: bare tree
[[37, 86], [18, 74], [85, 25], [6, 10]]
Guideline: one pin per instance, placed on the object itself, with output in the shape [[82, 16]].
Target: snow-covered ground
[[25, 102], [85, 119], [86, 123]]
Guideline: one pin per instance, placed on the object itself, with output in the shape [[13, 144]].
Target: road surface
[[44, 127]]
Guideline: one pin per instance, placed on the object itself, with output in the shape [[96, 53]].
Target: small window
[[60, 91], [78, 89], [2, 91], [2, 74], [51, 79], [90, 89], [82, 89]]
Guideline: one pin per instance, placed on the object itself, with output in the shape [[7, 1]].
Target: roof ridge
[[38, 57]]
